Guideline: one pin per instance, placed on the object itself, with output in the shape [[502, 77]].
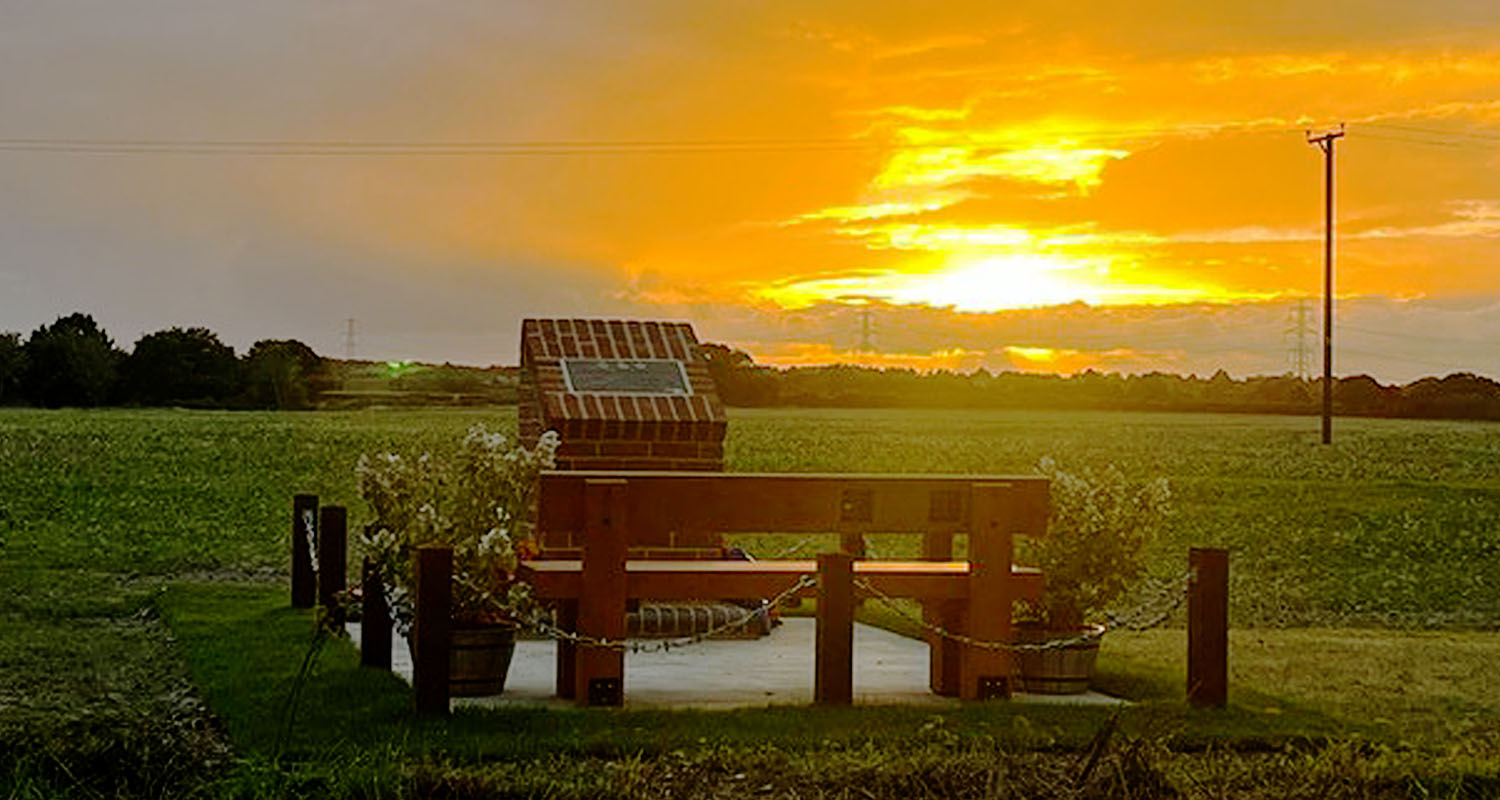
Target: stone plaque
[[641, 376]]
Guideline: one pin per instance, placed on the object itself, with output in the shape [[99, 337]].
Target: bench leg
[[985, 672], [599, 678], [943, 654], [833, 669]]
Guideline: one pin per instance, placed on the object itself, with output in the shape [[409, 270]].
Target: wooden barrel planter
[[1067, 669], [479, 658]]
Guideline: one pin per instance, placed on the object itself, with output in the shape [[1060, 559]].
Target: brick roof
[[607, 338]]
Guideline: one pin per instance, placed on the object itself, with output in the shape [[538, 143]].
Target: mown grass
[[357, 734], [1397, 526]]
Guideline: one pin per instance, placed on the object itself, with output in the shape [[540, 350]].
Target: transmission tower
[[349, 338], [866, 318], [1301, 331]]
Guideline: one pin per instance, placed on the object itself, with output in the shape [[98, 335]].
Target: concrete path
[[719, 674]]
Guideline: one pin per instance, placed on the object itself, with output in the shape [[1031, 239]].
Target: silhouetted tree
[[279, 374], [1461, 395], [740, 382], [181, 366], [71, 362], [12, 368]]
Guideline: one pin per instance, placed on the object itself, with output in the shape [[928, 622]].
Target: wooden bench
[[602, 517]]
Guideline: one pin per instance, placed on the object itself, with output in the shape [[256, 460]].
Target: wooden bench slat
[[693, 580], [692, 509]]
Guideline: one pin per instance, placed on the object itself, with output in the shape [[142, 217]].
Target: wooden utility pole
[[1325, 143]]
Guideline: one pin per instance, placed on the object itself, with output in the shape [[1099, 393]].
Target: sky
[[1023, 185]]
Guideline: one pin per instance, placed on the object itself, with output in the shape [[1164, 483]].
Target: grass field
[[1397, 523], [1365, 592]]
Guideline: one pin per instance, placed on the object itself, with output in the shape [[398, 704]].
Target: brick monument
[[622, 394]]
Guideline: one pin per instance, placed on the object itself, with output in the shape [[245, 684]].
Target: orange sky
[[974, 171]]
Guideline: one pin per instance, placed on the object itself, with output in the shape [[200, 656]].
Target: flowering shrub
[[478, 503], [1094, 548]]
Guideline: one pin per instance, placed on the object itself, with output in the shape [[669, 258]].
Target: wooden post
[[304, 539], [599, 679], [985, 671], [1208, 627], [833, 671], [431, 629], [333, 555], [375, 619], [942, 652]]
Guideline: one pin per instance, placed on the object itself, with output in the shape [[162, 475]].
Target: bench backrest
[[686, 512]]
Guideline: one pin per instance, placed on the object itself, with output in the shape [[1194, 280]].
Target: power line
[[1439, 339], [562, 147], [1437, 131], [1413, 140], [1391, 357]]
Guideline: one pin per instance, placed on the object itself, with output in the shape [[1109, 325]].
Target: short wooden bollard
[[1208, 627], [430, 666], [333, 557], [375, 619], [304, 540], [833, 670]]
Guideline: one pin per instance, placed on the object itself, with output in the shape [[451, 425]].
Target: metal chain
[[1172, 593], [791, 550], [1175, 596], [548, 629], [310, 537]]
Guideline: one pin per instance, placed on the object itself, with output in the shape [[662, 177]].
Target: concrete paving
[[720, 674]]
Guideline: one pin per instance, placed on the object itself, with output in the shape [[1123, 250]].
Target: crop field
[[1396, 524], [141, 548]]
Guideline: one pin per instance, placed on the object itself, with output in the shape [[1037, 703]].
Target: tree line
[[74, 362], [742, 382]]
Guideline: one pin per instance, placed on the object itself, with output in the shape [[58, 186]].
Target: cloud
[[1393, 339], [1104, 151]]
